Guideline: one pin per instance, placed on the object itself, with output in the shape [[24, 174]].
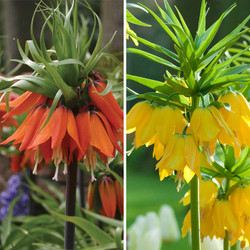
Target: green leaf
[[153, 58], [95, 60], [156, 47], [222, 170], [227, 41], [103, 247], [107, 220], [91, 229], [69, 94], [241, 162], [210, 172], [212, 85], [164, 26], [7, 222], [153, 84], [84, 48], [209, 35], [202, 21], [132, 19]]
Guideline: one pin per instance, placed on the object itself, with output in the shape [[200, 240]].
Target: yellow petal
[[166, 124]]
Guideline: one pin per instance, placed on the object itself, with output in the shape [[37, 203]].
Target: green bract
[[202, 67], [59, 70]]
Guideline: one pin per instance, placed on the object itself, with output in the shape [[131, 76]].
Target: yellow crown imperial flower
[[208, 195], [181, 154], [207, 125], [239, 117], [224, 218], [154, 124]]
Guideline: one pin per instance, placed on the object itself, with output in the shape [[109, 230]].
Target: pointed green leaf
[[153, 58], [132, 19], [209, 35], [156, 47], [90, 228]]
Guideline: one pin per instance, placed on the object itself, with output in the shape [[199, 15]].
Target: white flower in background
[[169, 227], [214, 244], [145, 233], [148, 232]]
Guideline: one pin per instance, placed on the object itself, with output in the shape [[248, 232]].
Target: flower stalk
[[69, 234], [195, 204], [226, 242]]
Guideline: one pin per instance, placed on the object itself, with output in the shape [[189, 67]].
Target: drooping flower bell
[[208, 192], [238, 118], [154, 124], [62, 134], [207, 125], [108, 196], [181, 154]]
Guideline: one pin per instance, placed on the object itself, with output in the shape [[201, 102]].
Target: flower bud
[[108, 196], [119, 195], [91, 191]]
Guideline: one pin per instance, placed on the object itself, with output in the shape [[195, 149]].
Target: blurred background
[[145, 192], [15, 18]]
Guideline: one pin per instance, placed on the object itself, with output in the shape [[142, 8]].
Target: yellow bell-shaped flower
[[170, 121], [238, 118], [208, 192], [207, 125], [181, 154], [137, 119], [224, 218]]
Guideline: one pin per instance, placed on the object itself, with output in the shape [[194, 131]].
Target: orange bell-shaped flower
[[91, 192], [108, 196]]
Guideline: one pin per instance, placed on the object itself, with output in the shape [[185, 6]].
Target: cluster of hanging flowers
[[218, 215], [91, 129], [110, 196], [176, 141]]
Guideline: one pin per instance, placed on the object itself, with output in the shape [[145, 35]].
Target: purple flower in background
[[14, 187]]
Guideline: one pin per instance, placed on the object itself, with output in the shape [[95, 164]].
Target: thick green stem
[[226, 241], [195, 204], [195, 214]]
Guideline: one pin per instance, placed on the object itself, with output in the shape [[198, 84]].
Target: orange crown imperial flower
[[59, 134]]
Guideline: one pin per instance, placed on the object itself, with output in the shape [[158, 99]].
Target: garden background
[[145, 192]]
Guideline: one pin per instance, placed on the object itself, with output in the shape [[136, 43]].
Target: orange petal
[[20, 132], [32, 127], [45, 133], [110, 132], [108, 196], [105, 107], [101, 86], [46, 150], [72, 129], [59, 126], [28, 102], [83, 128], [99, 137]]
